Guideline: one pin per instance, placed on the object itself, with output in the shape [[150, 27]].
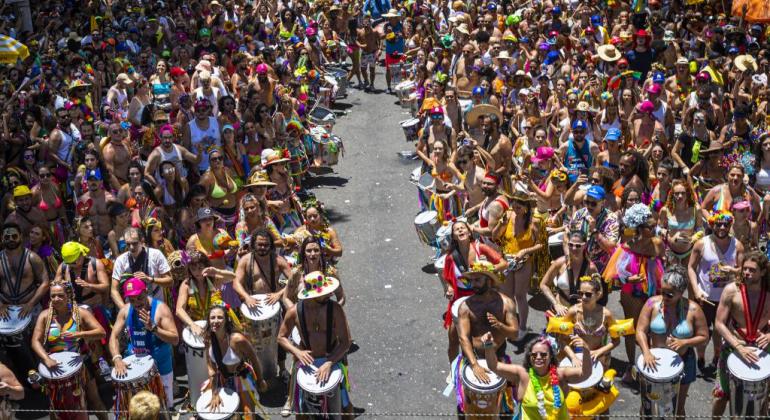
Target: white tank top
[[763, 179], [660, 113], [207, 138], [65, 148], [711, 257], [172, 156]]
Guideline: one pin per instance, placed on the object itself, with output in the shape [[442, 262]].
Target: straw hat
[[482, 268], [272, 157], [608, 53], [259, 179], [483, 109], [392, 13], [745, 62], [316, 284], [503, 55]]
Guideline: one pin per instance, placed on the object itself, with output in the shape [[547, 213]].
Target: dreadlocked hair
[[74, 307]]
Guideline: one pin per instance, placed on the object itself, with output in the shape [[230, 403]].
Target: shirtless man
[[500, 147], [168, 151], [116, 155], [255, 269], [324, 341], [490, 210], [740, 302], [25, 215], [99, 199], [369, 42], [23, 282], [487, 310], [467, 163]]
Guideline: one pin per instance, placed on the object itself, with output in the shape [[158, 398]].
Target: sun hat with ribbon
[[316, 284]]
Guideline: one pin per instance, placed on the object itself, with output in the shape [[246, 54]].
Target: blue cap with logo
[[658, 78], [596, 192], [579, 125], [613, 134]]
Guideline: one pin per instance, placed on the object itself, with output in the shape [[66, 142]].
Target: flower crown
[[721, 216], [316, 282], [559, 175], [482, 267]]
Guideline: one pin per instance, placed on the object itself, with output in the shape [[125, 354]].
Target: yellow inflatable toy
[[558, 325], [622, 327], [586, 406]]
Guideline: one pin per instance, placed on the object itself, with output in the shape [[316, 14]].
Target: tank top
[[54, 342], [173, 156], [529, 409], [65, 148], [660, 113], [712, 256], [577, 160], [209, 137], [143, 341]]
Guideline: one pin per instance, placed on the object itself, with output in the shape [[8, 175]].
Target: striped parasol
[[12, 50]]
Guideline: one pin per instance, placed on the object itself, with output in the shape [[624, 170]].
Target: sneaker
[[286, 410]]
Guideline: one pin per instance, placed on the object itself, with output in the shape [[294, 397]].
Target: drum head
[[426, 180], [69, 364], [13, 324], [596, 373], [307, 380], [406, 84], [230, 402], [556, 239], [470, 380], [670, 365], [409, 123], [193, 340], [261, 312], [439, 264], [138, 366], [295, 337], [425, 217], [750, 373], [456, 307]]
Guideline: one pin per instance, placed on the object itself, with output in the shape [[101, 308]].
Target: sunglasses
[[587, 295], [132, 244], [436, 117], [722, 224], [536, 354], [217, 159], [669, 295], [679, 194], [45, 175], [576, 245]]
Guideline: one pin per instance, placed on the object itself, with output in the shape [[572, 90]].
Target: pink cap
[[261, 68], [542, 153], [653, 88], [310, 32], [740, 205], [703, 76], [133, 287], [647, 107]]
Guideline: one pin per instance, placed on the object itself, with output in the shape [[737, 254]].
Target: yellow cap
[[21, 191]]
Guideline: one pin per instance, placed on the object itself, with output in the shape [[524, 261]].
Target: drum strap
[[79, 295], [304, 333], [14, 282], [573, 285], [752, 328]]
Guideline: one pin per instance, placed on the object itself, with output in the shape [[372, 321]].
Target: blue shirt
[[143, 341]]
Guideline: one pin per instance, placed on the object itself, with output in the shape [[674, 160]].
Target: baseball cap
[[133, 287], [596, 192], [542, 153], [579, 125], [21, 191], [653, 88], [658, 78], [613, 134], [551, 57]]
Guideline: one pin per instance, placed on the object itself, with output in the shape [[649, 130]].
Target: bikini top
[[217, 192], [673, 224], [230, 358], [44, 206], [682, 330], [600, 331]]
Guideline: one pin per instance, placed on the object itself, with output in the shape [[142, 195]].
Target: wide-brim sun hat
[[480, 110], [316, 285]]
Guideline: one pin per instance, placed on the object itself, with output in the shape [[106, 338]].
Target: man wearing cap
[[680, 84], [117, 95], [610, 156], [151, 330], [202, 133], [144, 263], [25, 215], [169, 152], [115, 153], [394, 42], [487, 310], [95, 201], [599, 224], [323, 329], [578, 153]]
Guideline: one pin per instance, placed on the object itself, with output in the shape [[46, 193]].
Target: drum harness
[[752, 322], [271, 282], [304, 332], [14, 282], [79, 295], [573, 285]]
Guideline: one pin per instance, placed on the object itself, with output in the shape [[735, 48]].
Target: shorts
[[710, 312], [367, 59], [722, 382], [168, 386], [690, 367], [390, 59]]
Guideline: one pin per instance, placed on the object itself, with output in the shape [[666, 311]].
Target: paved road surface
[[394, 303]]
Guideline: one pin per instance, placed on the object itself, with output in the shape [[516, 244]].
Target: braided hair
[[75, 308]]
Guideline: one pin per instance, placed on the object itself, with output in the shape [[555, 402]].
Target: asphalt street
[[394, 300]]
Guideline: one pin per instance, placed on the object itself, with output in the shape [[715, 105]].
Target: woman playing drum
[[232, 360], [64, 326], [539, 381], [674, 322], [592, 322]]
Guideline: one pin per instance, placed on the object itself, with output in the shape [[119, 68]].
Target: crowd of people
[[156, 215], [591, 153]]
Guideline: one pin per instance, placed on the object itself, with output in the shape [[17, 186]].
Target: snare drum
[[230, 403], [142, 375], [411, 129], [444, 237], [13, 329], [327, 148], [660, 389], [323, 116], [66, 386], [262, 329], [404, 91], [439, 267], [195, 360], [748, 385], [319, 397], [556, 245], [481, 398], [426, 225], [586, 388], [456, 309]]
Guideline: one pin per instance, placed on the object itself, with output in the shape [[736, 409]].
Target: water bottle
[[104, 369]]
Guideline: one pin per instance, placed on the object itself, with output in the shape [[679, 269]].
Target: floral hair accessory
[[636, 215], [606, 95], [317, 285], [721, 216], [559, 175]]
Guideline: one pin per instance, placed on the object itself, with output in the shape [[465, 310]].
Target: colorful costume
[[625, 263]]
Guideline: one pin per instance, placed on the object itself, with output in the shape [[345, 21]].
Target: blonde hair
[[144, 406]]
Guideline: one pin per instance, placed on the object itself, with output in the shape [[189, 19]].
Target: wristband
[[117, 357], [488, 344]]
